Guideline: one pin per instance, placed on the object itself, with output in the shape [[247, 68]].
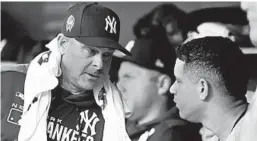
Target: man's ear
[[163, 84], [62, 43], [203, 89]]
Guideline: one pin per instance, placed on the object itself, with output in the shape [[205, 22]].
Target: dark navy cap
[[151, 54], [93, 24]]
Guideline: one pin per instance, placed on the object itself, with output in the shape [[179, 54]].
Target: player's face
[[185, 94]]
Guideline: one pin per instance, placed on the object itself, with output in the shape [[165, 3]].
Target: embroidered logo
[[16, 109], [70, 23], [128, 47], [14, 116], [110, 24], [20, 95], [159, 63], [88, 123]]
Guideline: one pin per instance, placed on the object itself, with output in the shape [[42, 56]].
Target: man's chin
[[182, 115], [189, 117], [89, 85]]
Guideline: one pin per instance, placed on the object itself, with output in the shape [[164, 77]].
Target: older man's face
[[83, 65], [251, 9], [138, 89]]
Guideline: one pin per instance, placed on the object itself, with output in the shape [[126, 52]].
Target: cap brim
[[141, 64], [102, 42], [128, 58]]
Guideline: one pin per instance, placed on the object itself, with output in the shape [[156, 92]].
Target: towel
[[41, 78]]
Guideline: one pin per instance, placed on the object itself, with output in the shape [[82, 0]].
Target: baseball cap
[[93, 24], [151, 54]]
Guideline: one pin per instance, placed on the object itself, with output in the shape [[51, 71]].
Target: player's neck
[[68, 86], [157, 112], [221, 119]]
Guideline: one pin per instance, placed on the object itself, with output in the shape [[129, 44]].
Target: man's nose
[[172, 88], [98, 62], [120, 86]]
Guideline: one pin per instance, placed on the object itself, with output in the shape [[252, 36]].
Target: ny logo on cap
[[70, 23], [110, 23], [159, 63]]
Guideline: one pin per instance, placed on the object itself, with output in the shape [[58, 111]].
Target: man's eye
[[89, 51], [107, 55], [92, 51], [127, 76]]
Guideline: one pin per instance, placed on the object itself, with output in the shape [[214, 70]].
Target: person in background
[[166, 23], [144, 82], [210, 87], [65, 93], [208, 22]]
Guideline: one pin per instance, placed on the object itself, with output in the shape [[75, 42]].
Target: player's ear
[[203, 89], [62, 43], [163, 84]]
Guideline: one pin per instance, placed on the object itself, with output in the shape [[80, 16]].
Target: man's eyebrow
[[96, 48], [110, 49], [91, 48]]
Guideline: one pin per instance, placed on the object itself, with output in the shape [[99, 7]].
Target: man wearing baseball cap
[[65, 93], [144, 81]]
